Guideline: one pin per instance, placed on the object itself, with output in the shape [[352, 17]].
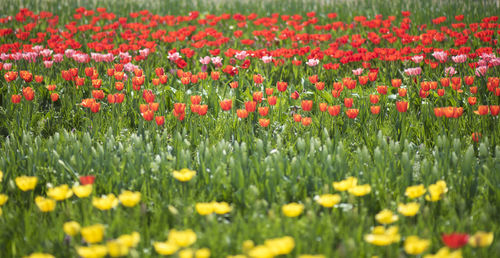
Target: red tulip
[[54, 97], [87, 180], [455, 240], [264, 122], [226, 104], [402, 106], [352, 113], [242, 113], [250, 106], [160, 120], [375, 109], [334, 110], [307, 105]]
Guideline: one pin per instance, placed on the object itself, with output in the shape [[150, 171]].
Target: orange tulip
[[352, 113], [226, 104]]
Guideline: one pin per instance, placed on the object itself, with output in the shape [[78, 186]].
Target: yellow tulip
[[116, 248], [436, 191], [260, 251], [345, 184], [71, 228], [202, 253], [445, 253], [105, 202], [415, 191], [165, 248], [183, 238], [82, 191], [130, 240], [39, 255], [204, 208], [45, 204], [26, 183], [409, 210], [360, 190], [221, 207], [328, 200], [386, 217], [93, 234], [247, 245], [93, 251], [186, 253], [184, 174], [129, 198], [280, 246], [3, 199], [292, 209], [1, 175], [382, 237], [414, 245], [481, 239], [60, 193], [312, 256]]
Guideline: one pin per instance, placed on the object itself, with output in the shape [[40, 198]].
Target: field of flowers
[[250, 129]]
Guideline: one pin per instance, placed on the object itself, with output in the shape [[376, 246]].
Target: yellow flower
[[26, 183], [60, 193], [45, 204], [106, 202], [292, 209], [382, 237], [1, 175], [82, 191], [39, 255], [202, 253], [260, 251], [183, 238], [360, 190], [280, 246], [414, 245], [481, 239], [345, 184], [312, 256], [71, 228], [247, 245], [116, 248], [184, 174], [445, 253], [436, 191], [129, 198], [1, 211], [93, 251], [130, 240], [386, 217], [165, 248], [221, 207], [3, 199], [409, 209], [186, 253], [328, 200], [236, 256], [204, 208], [93, 234], [415, 191]]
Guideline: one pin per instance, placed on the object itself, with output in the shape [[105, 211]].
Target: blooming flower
[[82, 191], [409, 209], [105, 202], [292, 209], [386, 217], [455, 240], [328, 200], [129, 198], [45, 204], [26, 183], [414, 245], [345, 184], [60, 193], [382, 237], [93, 234], [481, 239], [415, 191], [71, 228], [184, 174]]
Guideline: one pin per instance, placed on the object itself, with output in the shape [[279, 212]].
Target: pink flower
[[217, 60], [129, 67], [481, 70], [312, 62], [46, 52], [144, 52], [7, 66], [47, 64], [58, 58], [267, 59], [241, 55], [459, 59], [174, 56], [37, 48], [358, 71], [417, 59], [448, 71], [205, 60], [440, 55], [69, 53], [413, 71], [4, 56]]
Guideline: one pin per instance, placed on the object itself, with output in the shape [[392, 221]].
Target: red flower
[[264, 122], [306, 121], [295, 95], [263, 111], [375, 109], [307, 105], [494, 110], [402, 92], [95, 107], [323, 107], [271, 100], [374, 98], [28, 93], [455, 240], [402, 106], [352, 113], [54, 97], [87, 180], [396, 83], [281, 86], [195, 99], [15, 98], [160, 120], [242, 113], [348, 102], [250, 106], [334, 110], [226, 104]]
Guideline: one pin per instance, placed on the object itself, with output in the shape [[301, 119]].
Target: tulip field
[[249, 129]]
